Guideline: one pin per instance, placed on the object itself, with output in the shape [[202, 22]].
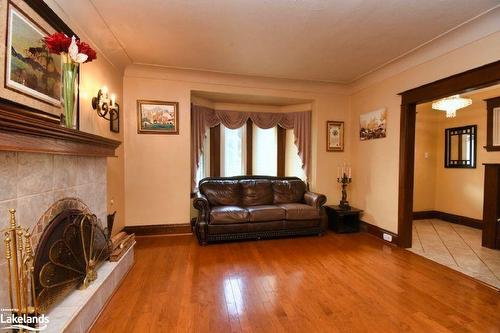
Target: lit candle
[[113, 98], [350, 172], [104, 90]]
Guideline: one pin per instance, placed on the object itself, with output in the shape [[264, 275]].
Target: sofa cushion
[[256, 192], [222, 192], [288, 191], [266, 213], [228, 215], [298, 211]]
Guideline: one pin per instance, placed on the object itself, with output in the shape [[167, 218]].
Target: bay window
[[250, 150]]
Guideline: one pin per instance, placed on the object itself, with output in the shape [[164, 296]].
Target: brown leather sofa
[[254, 207]]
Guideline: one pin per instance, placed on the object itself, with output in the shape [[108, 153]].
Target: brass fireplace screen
[[68, 254]]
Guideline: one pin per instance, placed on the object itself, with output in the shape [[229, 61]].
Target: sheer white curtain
[[233, 151], [204, 168], [293, 162], [265, 151]]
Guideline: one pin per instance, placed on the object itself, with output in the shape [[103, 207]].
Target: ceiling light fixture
[[451, 104]]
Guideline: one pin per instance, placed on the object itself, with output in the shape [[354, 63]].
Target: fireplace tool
[[20, 277]]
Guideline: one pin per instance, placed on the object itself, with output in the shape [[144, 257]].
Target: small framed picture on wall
[[157, 117], [334, 136]]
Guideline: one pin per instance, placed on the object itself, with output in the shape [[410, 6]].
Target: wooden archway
[[480, 77]]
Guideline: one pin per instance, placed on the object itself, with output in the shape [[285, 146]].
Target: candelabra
[[344, 181]]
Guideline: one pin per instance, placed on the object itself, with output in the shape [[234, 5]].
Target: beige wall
[[157, 167], [93, 76], [376, 162], [426, 160]]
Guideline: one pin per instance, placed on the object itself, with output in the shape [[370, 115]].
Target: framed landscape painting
[[373, 125], [31, 69], [334, 136], [30, 75], [157, 117]]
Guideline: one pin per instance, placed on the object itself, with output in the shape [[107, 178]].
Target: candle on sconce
[[113, 100], [104, 90]]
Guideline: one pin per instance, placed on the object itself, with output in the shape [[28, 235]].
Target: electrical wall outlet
[[387, 237]]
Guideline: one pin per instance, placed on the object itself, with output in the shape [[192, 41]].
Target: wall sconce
[[105, 106]]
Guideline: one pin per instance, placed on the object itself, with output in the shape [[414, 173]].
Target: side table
[[343, 220]]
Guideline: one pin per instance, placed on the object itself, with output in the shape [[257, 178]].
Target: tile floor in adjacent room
[[458, 247]]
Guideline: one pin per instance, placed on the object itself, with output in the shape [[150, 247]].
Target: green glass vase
[[70, 72]]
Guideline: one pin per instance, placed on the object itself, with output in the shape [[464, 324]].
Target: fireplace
[[62, 252], [61, 204], [69, 251]]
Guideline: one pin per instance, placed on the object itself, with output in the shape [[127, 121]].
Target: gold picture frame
[[334, 136], [157, 117]]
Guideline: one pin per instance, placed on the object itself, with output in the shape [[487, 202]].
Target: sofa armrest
[[200, 202], [314, 199]]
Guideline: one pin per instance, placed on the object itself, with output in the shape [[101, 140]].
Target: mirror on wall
[[460, 147]]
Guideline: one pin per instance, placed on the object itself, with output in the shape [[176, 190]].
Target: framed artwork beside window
[[335, 136], [157, 117]]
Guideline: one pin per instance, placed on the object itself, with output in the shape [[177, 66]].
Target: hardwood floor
[[334, 283]]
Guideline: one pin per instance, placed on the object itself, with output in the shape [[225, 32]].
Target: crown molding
[[480, 27], [97, 33]]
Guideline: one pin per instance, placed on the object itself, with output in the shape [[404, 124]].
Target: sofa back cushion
[[222, 192], [255, 192], [288, 191]]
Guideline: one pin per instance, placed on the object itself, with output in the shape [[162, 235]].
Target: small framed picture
[[157, 117], [373, 125], [334, 136]]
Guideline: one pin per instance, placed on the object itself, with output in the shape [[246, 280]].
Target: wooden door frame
[[473, 79]]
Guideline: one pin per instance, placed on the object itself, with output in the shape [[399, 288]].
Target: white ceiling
[[320, 40]]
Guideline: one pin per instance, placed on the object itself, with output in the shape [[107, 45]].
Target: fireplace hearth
[[64, 252]]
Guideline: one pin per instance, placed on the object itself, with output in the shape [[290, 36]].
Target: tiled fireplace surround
[[31, 183]]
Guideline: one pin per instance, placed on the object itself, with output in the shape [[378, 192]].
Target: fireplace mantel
[[28, 132]]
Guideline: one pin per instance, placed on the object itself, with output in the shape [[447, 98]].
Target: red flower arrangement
[[74, 50], [57, 43], [73, 53], [86, 49]]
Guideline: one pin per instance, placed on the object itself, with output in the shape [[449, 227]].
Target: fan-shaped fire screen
[[69, 252]]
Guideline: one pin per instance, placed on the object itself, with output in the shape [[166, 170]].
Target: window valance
[[203, 118]]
